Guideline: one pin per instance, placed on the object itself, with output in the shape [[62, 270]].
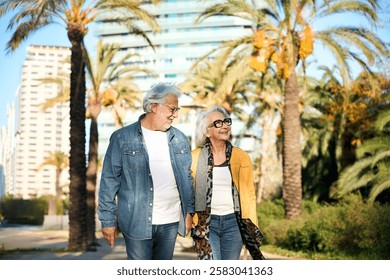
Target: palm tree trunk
[[348, 150], [333, 167], [264, 156], [53, 200], [77, 159], [91, 180], [58, 187], [292, 182]]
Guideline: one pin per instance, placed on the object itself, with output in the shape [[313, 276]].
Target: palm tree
[[373, 164], [268, 109], [76, 16], [221, 80], [336, 120], [60, 161], [283, 36], [321, 132], [228, 81]]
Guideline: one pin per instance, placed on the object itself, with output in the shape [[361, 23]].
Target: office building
[[3, 139], [39, 133], [7, 154]]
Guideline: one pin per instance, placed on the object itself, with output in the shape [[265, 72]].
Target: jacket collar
[[170, 131]]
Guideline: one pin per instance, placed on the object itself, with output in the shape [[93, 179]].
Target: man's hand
[[188, 223], [110, 235]]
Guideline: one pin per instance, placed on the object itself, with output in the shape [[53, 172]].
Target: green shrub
[[367, 229], [19, 211], [61, 206], [348, 229], [270, 210], [311, 232], [270, 213]]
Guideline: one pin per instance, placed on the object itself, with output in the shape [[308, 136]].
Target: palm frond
[[383, 120], [339, 52], [373, 146], [355, 176], [356, 7], [382, 181]]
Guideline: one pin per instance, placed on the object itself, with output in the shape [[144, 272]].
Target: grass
[[34, 250], [271, 249]]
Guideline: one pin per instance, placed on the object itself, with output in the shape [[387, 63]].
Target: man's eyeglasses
[[219, 123], [173, 109]]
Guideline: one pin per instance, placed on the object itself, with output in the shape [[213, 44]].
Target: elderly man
[[146, 186]]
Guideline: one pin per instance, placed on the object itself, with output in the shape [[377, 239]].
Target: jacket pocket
[[134, 159]]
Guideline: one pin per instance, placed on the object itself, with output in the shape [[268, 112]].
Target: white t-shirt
[[166, 200], [222, 198]]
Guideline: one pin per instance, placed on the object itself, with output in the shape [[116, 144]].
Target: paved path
[[36, 238]]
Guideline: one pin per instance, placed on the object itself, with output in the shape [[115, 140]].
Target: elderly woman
[[225, 202]]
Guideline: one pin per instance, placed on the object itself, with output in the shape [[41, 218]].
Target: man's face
[[166, 112]]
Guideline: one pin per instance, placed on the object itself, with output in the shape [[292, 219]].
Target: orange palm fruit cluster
[[108, 97], [306, 42]]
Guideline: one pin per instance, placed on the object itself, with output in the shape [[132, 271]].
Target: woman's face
[[218, 133]]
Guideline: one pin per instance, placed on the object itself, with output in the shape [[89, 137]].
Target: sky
[[11, 63]]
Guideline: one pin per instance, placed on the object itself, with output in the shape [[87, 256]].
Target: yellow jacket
[[242, 174]]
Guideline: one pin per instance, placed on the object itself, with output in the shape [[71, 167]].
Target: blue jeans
[[160, 247], [225, 238]]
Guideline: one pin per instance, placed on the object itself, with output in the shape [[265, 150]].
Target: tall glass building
[[180, 42]]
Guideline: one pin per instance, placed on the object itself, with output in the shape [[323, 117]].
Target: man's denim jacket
[[126, 177]]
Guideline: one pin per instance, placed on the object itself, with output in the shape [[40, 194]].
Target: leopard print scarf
[[200, 233]]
